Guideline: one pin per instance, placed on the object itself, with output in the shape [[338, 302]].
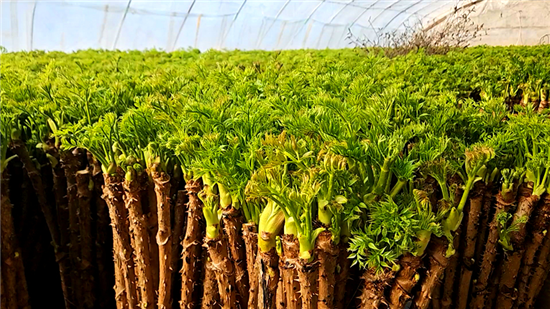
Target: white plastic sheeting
[[247, 24]]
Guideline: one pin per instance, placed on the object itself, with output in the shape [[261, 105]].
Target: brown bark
[[280, 298], [71, 164], [436, 295], [512, 260], [223, 268], [468, 255], [177, 237], [268, 278], [374, 288], [232, 226], [84, 196], [19, 148], [103, 257], [191, 251], [436, 268], [342, 277], [539, 274], [164, 234], [22, 289], [480, 293], [405, 280], [308, 275], [152, 223], [62, 216], [3, 296], [488, 202], [140, 242], [492, 290], [250, 236], [289, 274], [449, 280], [328, 258], [125, 288], [540, 227], [14, 282], [210, 296]]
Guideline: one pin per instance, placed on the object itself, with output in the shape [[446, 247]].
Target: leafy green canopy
[[299, 141]]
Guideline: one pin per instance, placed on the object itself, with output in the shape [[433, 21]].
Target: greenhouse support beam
[[363, 13], [121, 23], [272, 23], [233, 21], [305, 23], [182, 24], [32, 24]]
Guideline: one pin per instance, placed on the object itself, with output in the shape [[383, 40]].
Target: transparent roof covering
[[245, 24]]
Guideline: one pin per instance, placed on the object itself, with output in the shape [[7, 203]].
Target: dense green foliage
[[336, 139]]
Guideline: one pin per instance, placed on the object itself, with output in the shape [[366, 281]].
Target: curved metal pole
[[430, 12], [363, 13], [121, 23], [258, 43], [330, 21], [32, 24], [232, 22], [399, 14], [181, 27], [340, 11], [442, 19], [389, 7], [305, 23]]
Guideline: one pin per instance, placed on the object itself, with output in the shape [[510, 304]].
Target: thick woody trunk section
[[19, 148], [436, 269], [436, 295], [468, 255], [140, 242], [62, 212], [125, 289], [164, 234], [3, 296], [210, 295], [447, 289], [71, 164], [484, 221], [539, 274], [14, 283], [281, 298], [308, 275], [480, 292], [104, 266], [540, 228], [84, 195], [374, 287], [222, 265], [512, 260], [344, 264], [291, 250], [177, 237], [405, 280], [250, 236], [191, 251], [268, 278], [328, 258], [152, 223], [232, 226]]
